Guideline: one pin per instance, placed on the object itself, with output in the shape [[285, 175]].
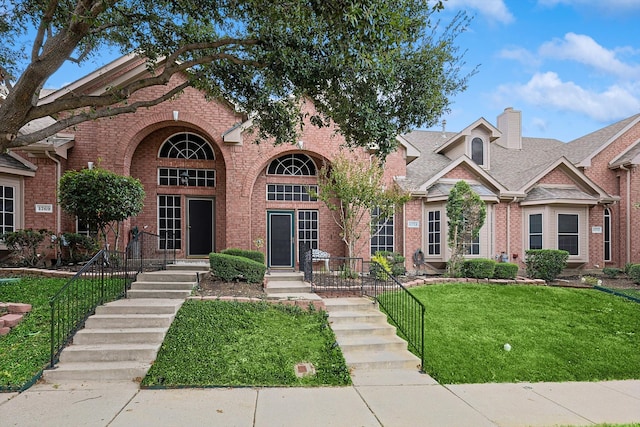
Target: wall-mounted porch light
[[184, 178]]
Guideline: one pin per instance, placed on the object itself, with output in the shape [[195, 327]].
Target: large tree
[[375, 67], [352, 190]]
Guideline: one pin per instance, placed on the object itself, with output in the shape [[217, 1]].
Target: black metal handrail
[[402, 307], [104, 278], [148, 252]]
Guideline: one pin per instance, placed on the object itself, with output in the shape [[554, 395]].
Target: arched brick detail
[[139, 130]]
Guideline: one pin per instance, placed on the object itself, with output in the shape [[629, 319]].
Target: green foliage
[[556, 334], [25, 351], [380, 267], [100, 197], [230, 267], [479, 268], [257, 256], [217, 343], [25, 245], [262, 57], [634, 273], [545, 264], [505, 270], [396, 262], [80, 247], [611, 272], [466, 214], [351, 190]]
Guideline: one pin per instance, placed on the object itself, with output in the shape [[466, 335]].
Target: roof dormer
[[474, 142]]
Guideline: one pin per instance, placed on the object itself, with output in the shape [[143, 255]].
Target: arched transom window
[[186, 146], [292, 164]]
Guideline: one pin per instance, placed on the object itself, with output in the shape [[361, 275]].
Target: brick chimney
[[510, 124]]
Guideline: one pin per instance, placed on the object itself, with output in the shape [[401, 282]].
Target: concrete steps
[[121, 340], [288, 286], [365, 337]]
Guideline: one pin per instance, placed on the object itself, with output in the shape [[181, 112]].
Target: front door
[[280, 250], [200, 229]]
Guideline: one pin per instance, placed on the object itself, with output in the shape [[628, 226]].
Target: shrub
[[24, 245], [380, 266], [81, 247], [611, 273], [505, 270], [634, 273], [545, 264], [230, 267], [256, 256], [478, 268], [396, 262]]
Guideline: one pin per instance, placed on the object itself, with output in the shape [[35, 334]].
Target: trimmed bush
[[478, 268], [634, 273], [230, 268], [253, 255], [545, 264], [505, 270]]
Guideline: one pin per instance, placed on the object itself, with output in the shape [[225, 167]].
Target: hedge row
[[483, 268], [236, 267]]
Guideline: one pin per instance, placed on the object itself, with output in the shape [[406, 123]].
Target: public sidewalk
[[377, 398]]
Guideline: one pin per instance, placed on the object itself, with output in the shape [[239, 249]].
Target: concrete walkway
[[377, 398]]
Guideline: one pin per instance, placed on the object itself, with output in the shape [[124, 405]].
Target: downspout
[[628, 215], [509, 226], [58, 209]]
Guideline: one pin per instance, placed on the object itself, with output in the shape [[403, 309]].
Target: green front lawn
[[555, 334], [26, 350], [218, 343]]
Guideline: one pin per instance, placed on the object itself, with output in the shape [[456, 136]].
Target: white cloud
[[521, 55], [610, 6], [547, 90], [493, 10], [585, 50]]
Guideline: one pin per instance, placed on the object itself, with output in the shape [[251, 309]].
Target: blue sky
[[571, 66]]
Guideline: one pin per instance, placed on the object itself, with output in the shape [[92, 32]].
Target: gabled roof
[[580, 151], [13, 164], [581, 180], [494, 133], [630, 156]]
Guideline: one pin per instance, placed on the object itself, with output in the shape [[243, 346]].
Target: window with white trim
[[472, 248], [607, 234], [170, 222], [186, 146], [477, 151], [568, 233], [433, 232], [535, 231], [7, 209], [195, 177], [296, 164], [291, 192], [382, 238], [307, 229]]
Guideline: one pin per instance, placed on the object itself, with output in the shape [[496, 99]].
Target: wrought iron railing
[[404, 310], [335, 275], [104, 278], [149, 252]]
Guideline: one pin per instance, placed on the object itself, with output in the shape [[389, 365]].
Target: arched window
[[477, 151], [607, 234], [292, 164], [186, 146]]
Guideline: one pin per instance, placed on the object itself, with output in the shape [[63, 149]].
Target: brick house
[[210, 187]]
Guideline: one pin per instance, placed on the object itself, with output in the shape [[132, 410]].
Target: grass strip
[[25, 351], [555, 334], [218, 343]]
